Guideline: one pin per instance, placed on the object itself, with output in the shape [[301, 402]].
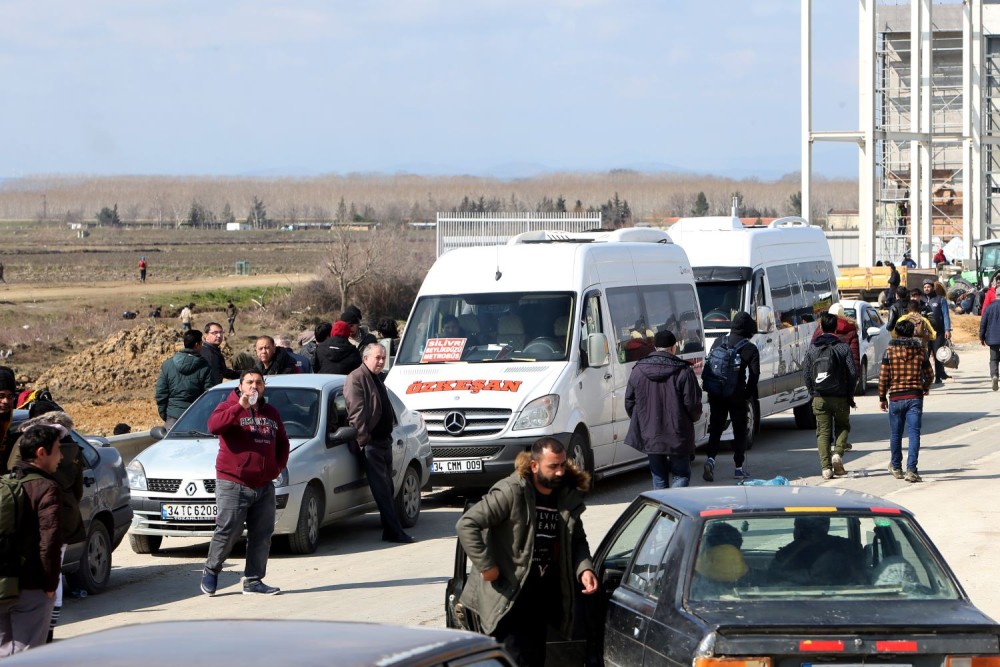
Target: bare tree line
[[397, 198]]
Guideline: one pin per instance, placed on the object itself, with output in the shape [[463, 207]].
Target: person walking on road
[[663, 400], [989, 335], [527, 544], [940, 320], [142, 269], [253, 450], [903, 381], [831, 375], [369, 411], [728, 396], [183, 378]]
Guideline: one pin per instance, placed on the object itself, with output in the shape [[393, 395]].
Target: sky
[[503, 88]]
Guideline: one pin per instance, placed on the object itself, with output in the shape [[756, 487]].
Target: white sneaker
[[827, 473], [838, 465]]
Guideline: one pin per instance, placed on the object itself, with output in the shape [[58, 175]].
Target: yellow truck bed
[[856, 282]]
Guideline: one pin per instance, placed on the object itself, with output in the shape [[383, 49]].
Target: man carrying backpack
[[25, 615], [831, 376], [730, 380]]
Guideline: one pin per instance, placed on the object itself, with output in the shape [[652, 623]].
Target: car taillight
[[732, 662], [973, 661]]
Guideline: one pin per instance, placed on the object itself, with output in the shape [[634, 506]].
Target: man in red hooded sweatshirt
[[253, 450]]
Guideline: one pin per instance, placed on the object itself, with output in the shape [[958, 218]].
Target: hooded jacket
[[499, 531], [183, 378], [906, 372], [841, 349], [337, 355], [664, 401], [744, 328], [847, 331], [40, 531], [253, 445]]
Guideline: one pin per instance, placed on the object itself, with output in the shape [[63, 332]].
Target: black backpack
[[828, 372], [723, 368]]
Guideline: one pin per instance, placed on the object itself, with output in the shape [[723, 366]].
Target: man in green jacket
[[183, 378], [526, 541]]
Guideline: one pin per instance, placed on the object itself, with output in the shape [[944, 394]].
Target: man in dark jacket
[[213, 355], [529, 551], [183, 378], [664, 401], [337, 354], [24, 621], [989, 334], [321, 332], [734, 406], [253, 450], [362, 337], [8, 399], [940, 317], [273, 360], [898, 308], [830, 376]]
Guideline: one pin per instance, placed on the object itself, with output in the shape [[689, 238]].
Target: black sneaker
[[209, 582], [708, 472], [258, 587]]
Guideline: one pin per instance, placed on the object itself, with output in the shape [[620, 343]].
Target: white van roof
[[627, 235], [724, 241]]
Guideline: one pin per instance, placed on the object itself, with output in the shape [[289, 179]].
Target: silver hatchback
[[173, 481]]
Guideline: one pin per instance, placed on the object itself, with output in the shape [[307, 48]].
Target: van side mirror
[[598, 354], [342, 434], [158, 432], [765, 319]]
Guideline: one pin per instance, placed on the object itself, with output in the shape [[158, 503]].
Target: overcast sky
[[498, 87]]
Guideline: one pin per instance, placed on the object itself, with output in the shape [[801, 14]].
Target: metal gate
[[466, 230]]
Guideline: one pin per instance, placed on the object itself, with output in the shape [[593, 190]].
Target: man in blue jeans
[[904, 380], [253, 450]]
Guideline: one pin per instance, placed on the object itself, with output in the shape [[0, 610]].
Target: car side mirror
[[598, 354], [341, 435], [765, 319], [873, 331], [158, 432]]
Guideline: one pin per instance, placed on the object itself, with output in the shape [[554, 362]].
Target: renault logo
[[454, 422], [191, 489]]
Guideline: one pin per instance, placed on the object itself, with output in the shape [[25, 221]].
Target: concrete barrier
[[130, 444]]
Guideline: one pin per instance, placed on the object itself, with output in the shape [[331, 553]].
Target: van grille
[[478, 422], [460, 452], [163, 485]]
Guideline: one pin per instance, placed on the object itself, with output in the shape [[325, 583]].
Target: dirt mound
[[126, 364], [964, 328]]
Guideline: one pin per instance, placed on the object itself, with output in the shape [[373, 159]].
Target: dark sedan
[[105, 509], [756, 576]]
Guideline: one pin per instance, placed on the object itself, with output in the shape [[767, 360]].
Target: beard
[[549, 482]]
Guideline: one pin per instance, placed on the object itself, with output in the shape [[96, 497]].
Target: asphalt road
[[354, 576]]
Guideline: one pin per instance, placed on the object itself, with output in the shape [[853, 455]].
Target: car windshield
[[299, 410], [509, 326], [720, 301], [828, 556]]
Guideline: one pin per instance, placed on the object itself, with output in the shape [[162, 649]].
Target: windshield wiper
[[197, 434]]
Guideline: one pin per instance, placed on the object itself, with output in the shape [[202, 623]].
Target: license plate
[[457, 465], [188, 512]]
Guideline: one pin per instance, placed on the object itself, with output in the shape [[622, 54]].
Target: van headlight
[[136, 476], [282, 479], [538, 414]]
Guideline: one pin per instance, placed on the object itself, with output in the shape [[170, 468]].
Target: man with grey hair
[[302, 364], [369, 411]]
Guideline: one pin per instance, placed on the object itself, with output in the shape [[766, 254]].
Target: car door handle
[[640, 626], [607, 376]]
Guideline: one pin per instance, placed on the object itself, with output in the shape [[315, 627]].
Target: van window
[[632, 332], [720, 301], [639, 312], [508, 326]]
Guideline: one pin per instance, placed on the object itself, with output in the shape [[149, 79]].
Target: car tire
[[145, 544], [804, 417], [94, 572], [580, 454], [408, 498], [753, 423], [305, 539], [862, 387]]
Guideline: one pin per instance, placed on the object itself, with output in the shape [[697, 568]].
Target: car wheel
[[579, 453], [305, 539], [145, 544], [804, 417], [408, 498], [753, 423], [862, 387], [95, 562]]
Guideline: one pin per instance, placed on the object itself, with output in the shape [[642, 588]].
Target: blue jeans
[[240, 504], [909, 413], [663, 466]]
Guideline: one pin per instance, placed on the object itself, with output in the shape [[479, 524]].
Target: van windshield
[[508, 326], [720, 301]]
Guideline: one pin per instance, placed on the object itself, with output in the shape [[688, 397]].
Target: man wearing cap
[[663, 400], [336, 354], [940, 320], [359, 336], [908, 261]]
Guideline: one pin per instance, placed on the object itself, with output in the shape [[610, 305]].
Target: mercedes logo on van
[[191, 489], [454, 422]]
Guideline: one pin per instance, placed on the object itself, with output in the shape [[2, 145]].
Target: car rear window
[[828, 556]]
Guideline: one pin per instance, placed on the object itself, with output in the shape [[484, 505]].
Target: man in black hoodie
[[664, 401], [899, 307], [734, 406], [337, 354], [830, 376]]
